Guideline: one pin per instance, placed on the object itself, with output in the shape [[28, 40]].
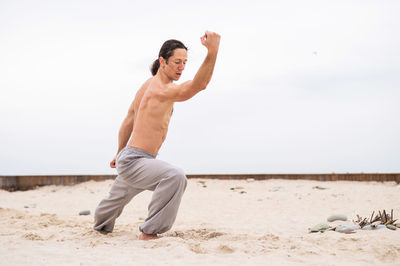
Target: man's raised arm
[[203, 76]]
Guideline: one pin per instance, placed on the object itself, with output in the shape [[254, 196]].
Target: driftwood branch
[[381, 217]]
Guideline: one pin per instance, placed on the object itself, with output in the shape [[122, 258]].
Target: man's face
[[176, 64]]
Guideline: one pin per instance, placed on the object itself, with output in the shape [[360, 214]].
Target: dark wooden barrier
[[12, 183], [379, 177]]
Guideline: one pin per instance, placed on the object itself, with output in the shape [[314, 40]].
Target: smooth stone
[[336, 217], [320, 227], [380, 226], [355, 227], [347, 229], [84, 212], [391, 227], [369, 227], [320, 188]]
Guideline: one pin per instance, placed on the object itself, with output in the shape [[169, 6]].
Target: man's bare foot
[[144, 236]]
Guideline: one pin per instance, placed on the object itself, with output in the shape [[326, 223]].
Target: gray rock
[[321, 227], [369, 227], [391, 227], [320, 188], [84, 212], [347, 228], [336, 217], [33, 205]]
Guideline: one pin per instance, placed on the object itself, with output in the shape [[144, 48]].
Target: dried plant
[[380, 218]]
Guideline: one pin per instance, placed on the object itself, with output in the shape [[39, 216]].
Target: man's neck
[[163, 78]]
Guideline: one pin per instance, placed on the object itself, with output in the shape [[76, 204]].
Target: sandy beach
[[220, 222]]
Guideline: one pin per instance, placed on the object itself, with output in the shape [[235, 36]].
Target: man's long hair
[[166, 51]]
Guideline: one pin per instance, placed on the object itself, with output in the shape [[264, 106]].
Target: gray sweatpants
[[139, 171]]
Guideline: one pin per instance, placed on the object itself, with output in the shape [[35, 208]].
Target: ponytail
[[154, 67], [166, 51]]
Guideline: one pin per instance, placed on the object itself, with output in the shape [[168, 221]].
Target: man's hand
[[112, 163], [211, 41]]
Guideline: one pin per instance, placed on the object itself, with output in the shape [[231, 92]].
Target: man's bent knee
[[180, 177]]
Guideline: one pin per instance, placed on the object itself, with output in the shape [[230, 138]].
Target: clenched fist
[[112, 163], [211, 41]]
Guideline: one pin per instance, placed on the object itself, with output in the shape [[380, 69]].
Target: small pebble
[[336, 217], [391, 227], [321, 188], [84, 212], [355, 227], [321, 227], [33, 205], [242, 192], [347, 229], [369, 227]]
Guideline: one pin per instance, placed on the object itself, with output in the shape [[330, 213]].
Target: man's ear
[[162, 62]]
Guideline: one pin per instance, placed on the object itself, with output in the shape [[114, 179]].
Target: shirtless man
[[144, 130]]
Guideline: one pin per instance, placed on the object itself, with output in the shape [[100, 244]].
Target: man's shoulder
[[144, 87], [146, 84]]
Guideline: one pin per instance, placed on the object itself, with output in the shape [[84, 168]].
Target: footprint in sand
[[199, 234], [196, 248], [32, 236], [225, 249]]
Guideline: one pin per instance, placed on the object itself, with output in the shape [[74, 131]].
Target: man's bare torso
[[152, 115]]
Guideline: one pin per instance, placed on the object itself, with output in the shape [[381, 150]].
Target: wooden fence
[[13, 183]]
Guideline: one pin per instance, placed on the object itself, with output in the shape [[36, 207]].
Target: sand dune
[[220, 222]]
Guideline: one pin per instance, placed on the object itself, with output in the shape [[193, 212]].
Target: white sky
[[299, 86]]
